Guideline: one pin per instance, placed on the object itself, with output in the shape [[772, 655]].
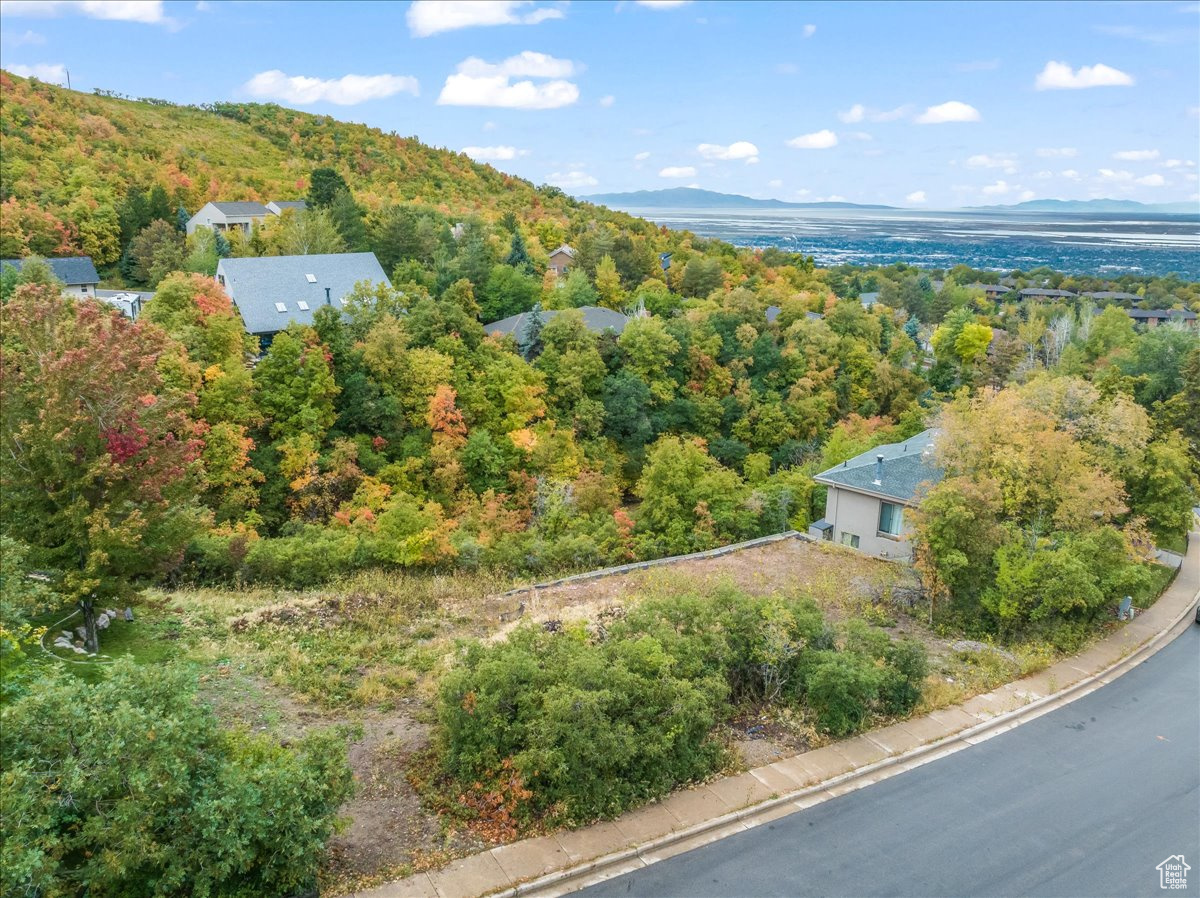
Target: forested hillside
[[71, 160]]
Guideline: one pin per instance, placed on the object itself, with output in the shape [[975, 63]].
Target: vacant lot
[[364, 655]]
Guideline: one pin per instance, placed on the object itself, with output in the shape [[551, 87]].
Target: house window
[[302, 305], [280, 307], [891, 518], [850, 539], [83, 288], [311, 278]]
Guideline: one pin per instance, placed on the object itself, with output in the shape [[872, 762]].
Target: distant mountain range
[[694, 198]]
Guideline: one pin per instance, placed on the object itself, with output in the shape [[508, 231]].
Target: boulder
[[128, 614], [102, 621]]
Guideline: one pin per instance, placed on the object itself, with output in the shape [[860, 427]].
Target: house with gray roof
[[1114, 295], [239, 216], [868, 495], [77, 274], [272, 292], [278, 207], [1155, 317], [595, 318], [868, 299], [1041, 293]]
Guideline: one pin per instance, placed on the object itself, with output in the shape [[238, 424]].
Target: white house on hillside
[[240, 215], [868, 496]]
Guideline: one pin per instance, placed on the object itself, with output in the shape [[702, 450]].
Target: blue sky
[[934, 105]]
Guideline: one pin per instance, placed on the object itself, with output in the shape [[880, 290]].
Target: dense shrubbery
[[128, 788], [593, 723]]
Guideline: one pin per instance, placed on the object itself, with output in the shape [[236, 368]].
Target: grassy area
[[1161, 577], [1176, 542]]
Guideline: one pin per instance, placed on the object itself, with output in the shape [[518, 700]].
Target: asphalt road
[[1086, 800]]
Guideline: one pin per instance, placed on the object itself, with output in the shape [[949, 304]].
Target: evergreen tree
[[348, 219], [518, 256], [323, 187], [530, 342]]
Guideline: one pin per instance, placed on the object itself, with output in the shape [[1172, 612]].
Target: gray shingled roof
[[564, 249], [1113, 294], [905, 467], [71, 271], [595, 319], [772, 313], [256, 284], [1179, 314], [1038, 291], [242, 208], [868, 299]]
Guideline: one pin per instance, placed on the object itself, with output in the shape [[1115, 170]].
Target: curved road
[[1086, 800]]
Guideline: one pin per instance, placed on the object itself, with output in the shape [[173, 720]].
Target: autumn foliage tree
[[100, 453]]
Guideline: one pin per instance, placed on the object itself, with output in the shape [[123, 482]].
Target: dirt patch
[[840, 580]]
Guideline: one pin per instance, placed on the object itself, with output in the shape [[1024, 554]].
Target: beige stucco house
[[870, 493]]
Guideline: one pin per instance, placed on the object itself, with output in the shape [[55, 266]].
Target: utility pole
[[68, 71]]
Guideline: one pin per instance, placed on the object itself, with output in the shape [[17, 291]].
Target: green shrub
[[593, 729], [130, 787], [907, 667], [842, 686]]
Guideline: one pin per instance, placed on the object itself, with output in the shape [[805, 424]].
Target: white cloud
[[1155, 180], [1026, 195], [149, 12], [568, 180], [1057, 152], [917, 196], [203, 6], [832, 198], [662, 4], [859, 113], [642, 156], [479, 83], [741, 149], [30, 38], [428, 17], [348, 90], [1044, 175], [803, 191], [52, 74], [1136, 155], [818, 140], [952, 111], [678, 171], [1000, 188], [1179, 163], [810, 30], [489, 126], [607, 101], [493, 154], [859, 135], [1005, 161], [775, 182], [1117, 176], [855, 113], [1070, 174], [1059, 76]]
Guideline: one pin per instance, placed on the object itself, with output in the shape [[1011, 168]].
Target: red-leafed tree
[[99, 453]]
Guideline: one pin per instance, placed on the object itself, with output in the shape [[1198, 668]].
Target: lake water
[[1082, 244]]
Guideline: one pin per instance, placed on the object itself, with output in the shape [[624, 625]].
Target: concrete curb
[[568, 879]]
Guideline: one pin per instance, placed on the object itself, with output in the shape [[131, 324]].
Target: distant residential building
[[561, 260], [868, 299], [277, 207], [1155, 317], [992, 291], [77, 274], [595, 318], [1113, 295], [773, 313], [870, 493], [272, 292], [1042, 293], [239, 216]]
